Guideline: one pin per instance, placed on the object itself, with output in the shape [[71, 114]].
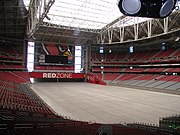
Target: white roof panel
[[90, 14]]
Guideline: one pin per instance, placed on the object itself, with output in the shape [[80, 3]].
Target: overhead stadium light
[[147, 8]]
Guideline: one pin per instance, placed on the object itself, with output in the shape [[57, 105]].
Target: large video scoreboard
[[53, 54]]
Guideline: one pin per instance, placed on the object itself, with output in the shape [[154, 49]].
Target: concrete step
[[152, 85], [175, 86], [164, 85]]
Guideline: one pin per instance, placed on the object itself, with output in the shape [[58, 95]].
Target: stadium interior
[[89, 42]]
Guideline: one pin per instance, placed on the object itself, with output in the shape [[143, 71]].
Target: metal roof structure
[[78, 22], [89, 14], [118, 32]]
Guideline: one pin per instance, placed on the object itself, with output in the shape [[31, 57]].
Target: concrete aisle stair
[[175, 86], [165, 85]]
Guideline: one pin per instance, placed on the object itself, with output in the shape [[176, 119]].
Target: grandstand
[[82, 68]]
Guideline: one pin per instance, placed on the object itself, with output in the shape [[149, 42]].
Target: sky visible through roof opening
[[88, 14]]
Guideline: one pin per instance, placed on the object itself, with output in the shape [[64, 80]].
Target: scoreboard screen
[[56, 59]]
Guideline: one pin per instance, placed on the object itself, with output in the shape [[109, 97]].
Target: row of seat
[[33, 125], [167, 83], [12, 67], [14, 98], [170, 122], [141, 57], [11, 50], [134, 131], [123, 77], [106, 69], [10, 57], [16, 76]]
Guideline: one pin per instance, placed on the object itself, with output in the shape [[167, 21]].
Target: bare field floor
[[107, 104]]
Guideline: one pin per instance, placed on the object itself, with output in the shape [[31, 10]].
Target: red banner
[[56, 75], [92, 79]]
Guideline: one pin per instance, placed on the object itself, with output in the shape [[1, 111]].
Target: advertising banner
[[56, 75], [93, 79]]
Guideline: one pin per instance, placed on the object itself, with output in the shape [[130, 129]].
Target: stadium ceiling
[[88, 14], [81, 22], [78, 22], [73, 21]]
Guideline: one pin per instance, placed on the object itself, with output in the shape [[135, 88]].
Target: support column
[[166, 20], [102, 38], [149, 27], [86, 58], [136, 31], [25, 50], [121, 34], [110, 35]]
